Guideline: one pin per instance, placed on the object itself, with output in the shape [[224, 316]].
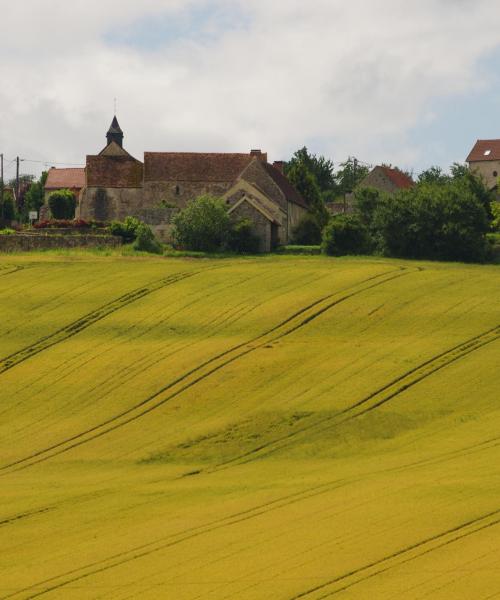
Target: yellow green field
[[275, 428]]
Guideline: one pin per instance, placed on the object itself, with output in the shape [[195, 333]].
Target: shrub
[[495, 211], [204, 225], [307, 232], [8, 209], [127, 230], [435, 221], [146, 241], [242, 238], [62, 204], [345, 234], [66, 224], [7, 231]]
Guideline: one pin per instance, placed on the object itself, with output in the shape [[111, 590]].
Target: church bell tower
[[115, 133]]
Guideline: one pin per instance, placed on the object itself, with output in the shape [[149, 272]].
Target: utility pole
[[18, 189], [1, 188]]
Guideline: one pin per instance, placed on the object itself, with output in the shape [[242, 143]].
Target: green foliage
[[307, 232], [8, 208], [7, 231], [204, 225], [345, 234], [320, 167], [435, 221], [350, 175], [34, 198], [62, 204], [242, 238], [126, 230], [145, 240], [495, 211], [434, 174], [305, 183]]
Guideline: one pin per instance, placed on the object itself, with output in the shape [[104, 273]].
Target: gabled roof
[[114, 172], [290, 193], [114, 149], [59, 179], [485, 150], [194, 167], [258, 205], [398, 178]]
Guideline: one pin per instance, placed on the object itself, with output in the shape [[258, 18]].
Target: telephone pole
[[1, 188], [18, 188]]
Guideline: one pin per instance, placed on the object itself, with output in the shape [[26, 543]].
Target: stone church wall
[[261, 225], [178, 193]]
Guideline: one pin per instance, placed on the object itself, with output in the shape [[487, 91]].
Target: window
[[177, 190], [495, 173], [487, 152]]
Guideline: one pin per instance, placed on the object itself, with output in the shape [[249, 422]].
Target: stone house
[[387, 179], [117, 185], [64, 179], [484, 159]]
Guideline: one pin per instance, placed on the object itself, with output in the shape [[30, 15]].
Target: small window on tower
[[495, 173], [177, 190]]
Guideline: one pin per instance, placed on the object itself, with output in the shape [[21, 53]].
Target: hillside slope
[[264, 428]]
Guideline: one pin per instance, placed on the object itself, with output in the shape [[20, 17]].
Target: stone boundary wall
[[25, 243]]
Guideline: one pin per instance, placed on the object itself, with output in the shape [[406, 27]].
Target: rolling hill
[[273, 428]]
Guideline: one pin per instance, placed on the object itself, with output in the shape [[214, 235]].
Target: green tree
[[62, 204], [350, 175], [319, 166], [8, 207], [204, 225], [435, 221], [35, 196], [307, 232], [433, 174], [305, 183], [345, 234], [242, 238], [145, 240]]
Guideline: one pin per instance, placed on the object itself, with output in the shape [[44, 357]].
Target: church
[[117, 185]]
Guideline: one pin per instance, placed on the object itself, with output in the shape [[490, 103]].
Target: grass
[[279, 427]]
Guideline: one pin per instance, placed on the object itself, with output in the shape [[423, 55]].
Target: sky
[[412, 84]]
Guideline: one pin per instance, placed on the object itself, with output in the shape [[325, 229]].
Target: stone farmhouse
[[387, 179], [484, 159], [115, 185]]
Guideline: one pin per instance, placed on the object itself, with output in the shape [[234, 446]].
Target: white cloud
[[345, 78]]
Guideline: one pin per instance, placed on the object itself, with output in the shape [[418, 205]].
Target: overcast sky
[[402, 82]]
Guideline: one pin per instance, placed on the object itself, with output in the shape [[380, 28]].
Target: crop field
[[275, 428]]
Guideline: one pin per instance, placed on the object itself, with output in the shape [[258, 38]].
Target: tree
[[433, 174], [305, 183], [319, 166], [435, 221], [350, 175], [345, 234], [242, 238], [35, 196], [62, 204], [203, 225], [307, 232], [145, 240], [8, 208]]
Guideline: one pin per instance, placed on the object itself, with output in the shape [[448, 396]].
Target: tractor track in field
[[201, 372], [91, 318], [10, 269], [375, 400], [401, 557], [144, 550], [25, 515]]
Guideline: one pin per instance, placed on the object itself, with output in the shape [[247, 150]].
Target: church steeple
[[115, 134]]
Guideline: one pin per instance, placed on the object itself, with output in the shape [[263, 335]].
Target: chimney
[[280, 165], [259, 154]]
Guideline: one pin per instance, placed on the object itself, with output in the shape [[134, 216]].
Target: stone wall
[[377, 179], [179, 193], [257, 176], [109, 204], [261, 225], [26, 242]]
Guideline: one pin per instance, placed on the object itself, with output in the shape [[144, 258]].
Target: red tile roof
[[59, 179], [114, 172], [190, 166], [485, 150], [282, 181], [398, 178]]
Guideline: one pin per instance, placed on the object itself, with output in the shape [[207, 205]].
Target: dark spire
[[115, 134]]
